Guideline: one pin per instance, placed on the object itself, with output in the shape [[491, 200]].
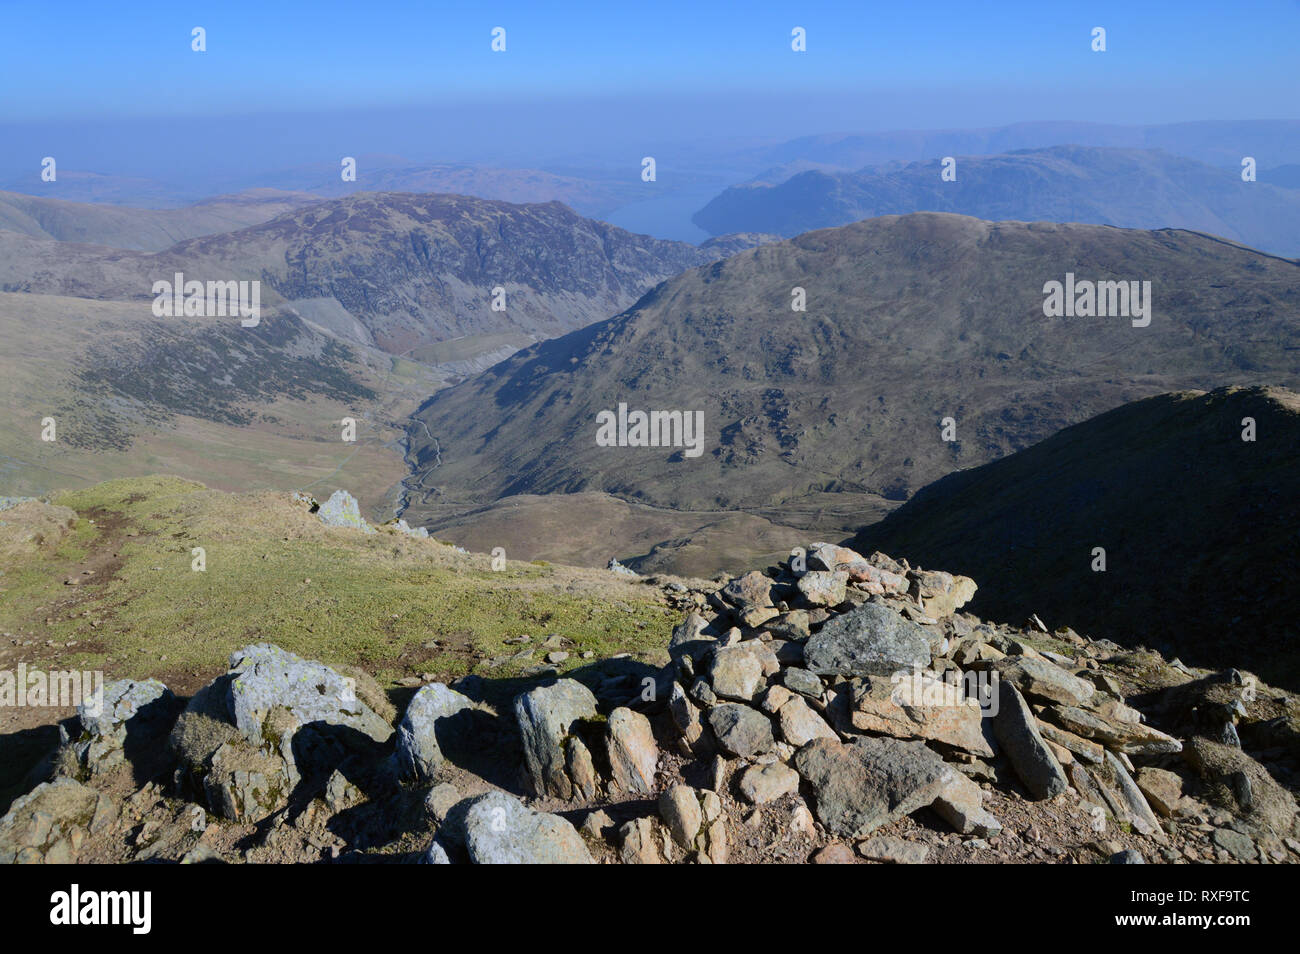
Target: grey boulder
[[499, 830], [871, 640], [419, 755]]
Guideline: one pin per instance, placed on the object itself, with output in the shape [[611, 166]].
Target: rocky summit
[[839, 707]]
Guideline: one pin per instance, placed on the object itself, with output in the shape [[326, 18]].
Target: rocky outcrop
[[885, 699], [342, 510], [127, 708], [248, 738]]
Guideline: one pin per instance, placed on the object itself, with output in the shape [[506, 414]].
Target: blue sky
[[587, 89], [1011, 61]]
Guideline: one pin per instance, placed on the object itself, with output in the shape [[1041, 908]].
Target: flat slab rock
[[893, 851], [921, 707], [1044, 680], [871, 640], [864, 784]]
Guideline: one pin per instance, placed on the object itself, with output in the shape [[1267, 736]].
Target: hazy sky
[[1189, 60], [115, 87]]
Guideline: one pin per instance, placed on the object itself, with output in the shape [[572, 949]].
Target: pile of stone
[[837, 692], [856, 679]]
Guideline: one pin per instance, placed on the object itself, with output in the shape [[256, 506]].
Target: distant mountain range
[[1222, 143], [347, 285], [812, 415], [1124, 187], [141, 229], [1198, 528], [393, 270], [593, 194]]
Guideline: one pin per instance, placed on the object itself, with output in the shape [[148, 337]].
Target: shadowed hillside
[[1199, 528]]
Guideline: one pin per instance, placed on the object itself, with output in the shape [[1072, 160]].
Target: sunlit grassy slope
[[395, 605]]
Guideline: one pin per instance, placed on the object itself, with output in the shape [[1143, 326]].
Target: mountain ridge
[[789, 410], [1128, 188]]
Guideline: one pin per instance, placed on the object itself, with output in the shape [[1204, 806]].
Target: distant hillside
[[1198, 526], [910, 319], [1124, 187], [93, 187], [1219, 143], [393, 270], [149, 230], [588, 196], [243, 408]]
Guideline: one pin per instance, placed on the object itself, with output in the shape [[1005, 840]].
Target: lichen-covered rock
[[245, 740], [244, 783], [862, 785], [217, 766], [740, 730], [921, 706], [342, 510], [736, 672], [633, 754], [823, 587], [1017, 733], [267, 677], [127, 707]]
